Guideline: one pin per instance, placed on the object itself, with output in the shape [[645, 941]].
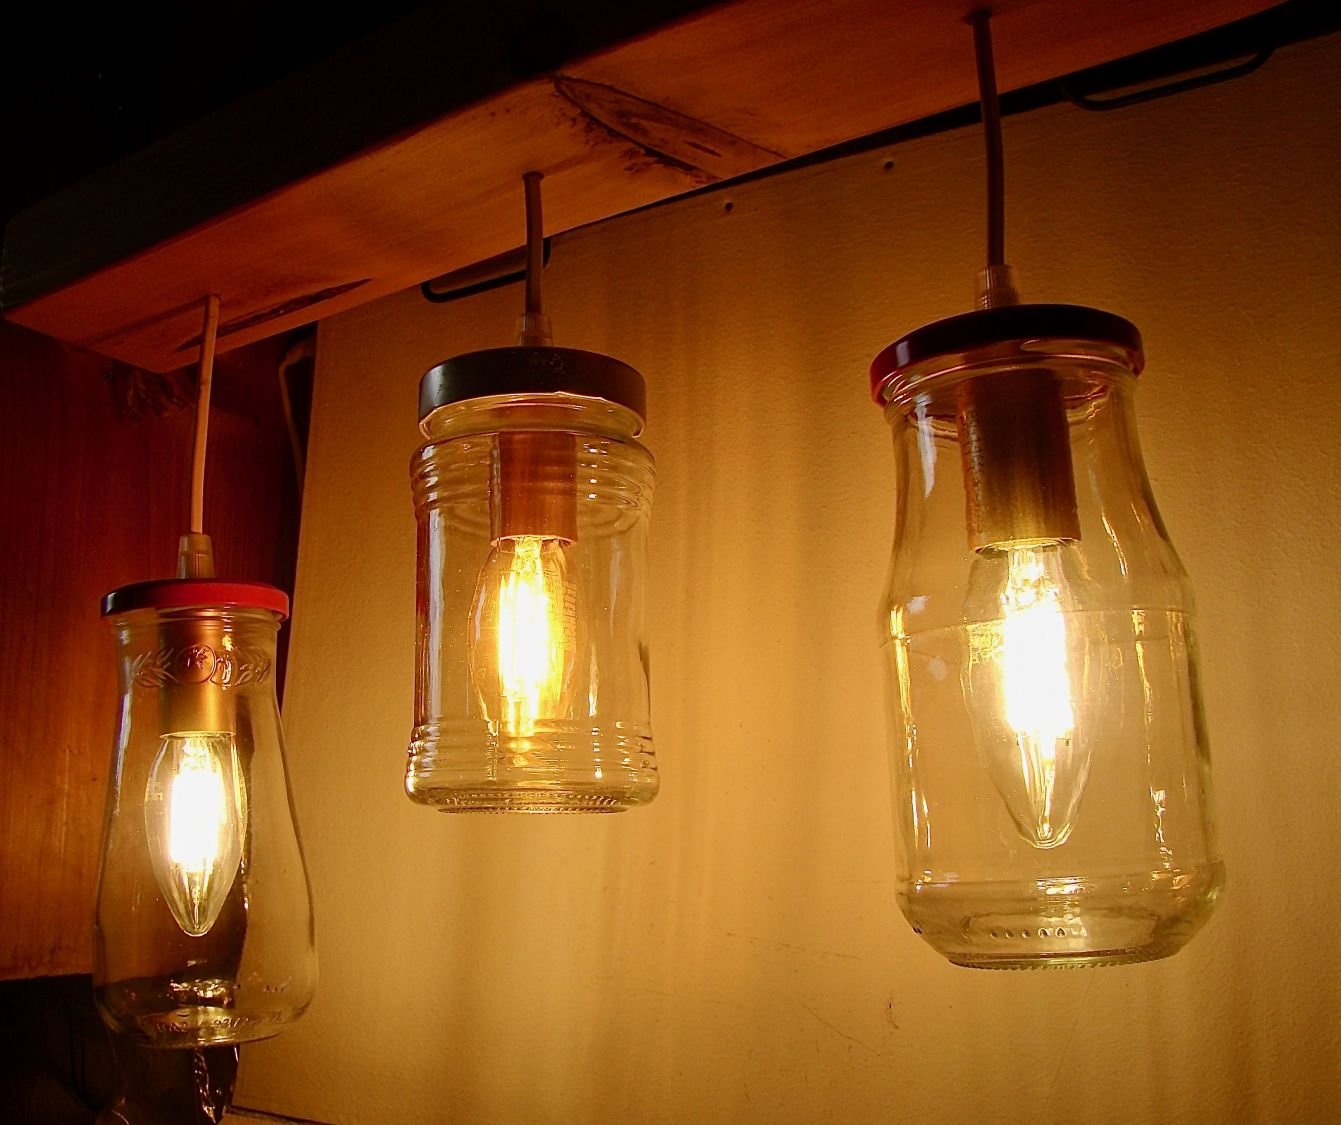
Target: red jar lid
[[196, 593]]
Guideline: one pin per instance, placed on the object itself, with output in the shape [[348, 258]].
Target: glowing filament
[[525, 627], [1035, 681], [1024, 669], [196, 819]]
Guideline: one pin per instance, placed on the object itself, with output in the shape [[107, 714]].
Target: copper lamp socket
[[533, 485]]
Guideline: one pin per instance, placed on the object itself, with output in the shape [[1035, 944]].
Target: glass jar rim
[[1010, 333], [195, 593]]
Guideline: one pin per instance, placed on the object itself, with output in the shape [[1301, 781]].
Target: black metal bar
[[1177, 86]]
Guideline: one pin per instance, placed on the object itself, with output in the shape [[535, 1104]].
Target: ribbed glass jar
[[531, 690], [1050, 763], [203, 932]]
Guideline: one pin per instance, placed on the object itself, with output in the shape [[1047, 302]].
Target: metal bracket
[[492, 273], [1177, 86]]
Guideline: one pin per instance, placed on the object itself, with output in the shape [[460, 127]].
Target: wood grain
[[720, 92], [95, 458]]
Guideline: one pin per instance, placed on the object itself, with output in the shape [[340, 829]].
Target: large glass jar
[[532, 499], [1050, 765], [203, 932]]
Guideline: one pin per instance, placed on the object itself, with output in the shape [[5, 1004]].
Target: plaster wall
[[733, 953]]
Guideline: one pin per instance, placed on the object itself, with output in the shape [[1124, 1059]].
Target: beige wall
[[733, 952]]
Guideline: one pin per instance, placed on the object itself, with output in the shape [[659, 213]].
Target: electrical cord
[[981, 21], [535, 237], [996, 284], [535, 330], [195, 553], [208, 337]]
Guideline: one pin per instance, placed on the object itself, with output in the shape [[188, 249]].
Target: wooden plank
[[796, 76], [724, 91], [333, 241], [95, 459], [414, 72]]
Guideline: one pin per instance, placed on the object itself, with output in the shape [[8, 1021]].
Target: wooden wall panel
[[94, 461]]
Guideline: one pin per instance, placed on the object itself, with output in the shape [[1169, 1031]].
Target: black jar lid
[[1028, 329], [532, 370]]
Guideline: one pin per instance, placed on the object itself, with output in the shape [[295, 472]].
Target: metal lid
[[195, 593], [532, 370], [1031, 329]]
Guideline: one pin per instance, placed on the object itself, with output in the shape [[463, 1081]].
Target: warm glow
[[196, 818], [1033, 655], [1036, 686], [533, 611], [196, 811], [1022, 685]]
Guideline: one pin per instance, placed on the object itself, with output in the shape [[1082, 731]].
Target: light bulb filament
[[195, 821], [1036, 685], [530, 653], [197, 810], [1024, 671], [524, 639]]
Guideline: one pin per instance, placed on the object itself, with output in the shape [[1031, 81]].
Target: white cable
[[208, 335]]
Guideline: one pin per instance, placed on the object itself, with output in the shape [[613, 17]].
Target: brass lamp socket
[[203, 707], [1019, 485], [1009, 406], [195, 699]]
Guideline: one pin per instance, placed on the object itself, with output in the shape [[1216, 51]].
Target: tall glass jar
[[203, 931], [532, 498], [1050, 764]]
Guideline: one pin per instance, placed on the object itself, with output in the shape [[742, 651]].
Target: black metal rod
[[492, 273], [1176, 86]]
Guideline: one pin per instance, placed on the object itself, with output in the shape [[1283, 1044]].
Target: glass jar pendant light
[[203, 931], [1050, 763], [532, 498]]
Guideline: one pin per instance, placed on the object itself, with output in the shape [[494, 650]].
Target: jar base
[[153, 1013], [530, 801], [566, 767], [1063, 923]]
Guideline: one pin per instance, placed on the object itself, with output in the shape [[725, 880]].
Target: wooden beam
[[393, 164]]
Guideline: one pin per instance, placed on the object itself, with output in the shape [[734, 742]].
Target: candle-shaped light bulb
[[524, 634], [195, 814], [1032, 676]]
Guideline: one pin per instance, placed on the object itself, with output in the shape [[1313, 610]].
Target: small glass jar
[[532, 498], [1050, 764], [203, 932]]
